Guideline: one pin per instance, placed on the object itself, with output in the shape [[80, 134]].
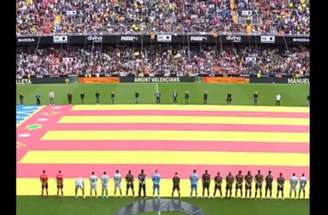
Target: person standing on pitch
[[255, 98], [248, 184], [51, 97], [280, 187], [175, 97], [104, 185], [218, 183], [206, 180], [158, 97], [293, 184], [142, 183], [229, 98], [112, 95], [129, 178], [194, 182], [38, 99], [176, 184], [268, 184], [239, 184], [44, 183], [69, 98], [79, 184], [60, 183], [82, 97], [229, 183], [258, 183], [93, 184], [278, 98], [187, 97], [97, 97], [136, 95], [21, 99], [117, 182], [205, 96], [156, 178], [302, 186]]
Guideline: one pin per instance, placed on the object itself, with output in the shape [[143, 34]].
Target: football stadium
[[162, 107]]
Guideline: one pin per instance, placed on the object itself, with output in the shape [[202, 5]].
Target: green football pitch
[[242, 94], [27, 205]]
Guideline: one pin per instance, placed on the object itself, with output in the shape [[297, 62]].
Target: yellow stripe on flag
[[176, 135], [193, 107], [32, 186], [166, 157], [185, 119]]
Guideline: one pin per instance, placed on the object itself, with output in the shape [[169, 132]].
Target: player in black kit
[[136, 95], [218, 183], [175, 97], [239, 184], [82, 97], [97, 97], [142, 183], [229, 98], [129, 178], [176, 184], [255, 97], [280, 185], [268, 184], [112, 95], [229, 183], [248, 184], [21, 99], [258, 183], [205, 97], [187, 97], [206, 179]]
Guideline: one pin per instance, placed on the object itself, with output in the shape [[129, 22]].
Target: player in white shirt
[[293, 184], [302, 186], [104, 185], [79, 184], [278, 98], [93, 184], [51, 97], [117, 182]]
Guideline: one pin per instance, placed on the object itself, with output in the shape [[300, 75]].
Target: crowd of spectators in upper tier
[[162, 60], [283, 17]]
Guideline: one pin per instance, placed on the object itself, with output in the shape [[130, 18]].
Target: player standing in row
[[129, 178], [175, 97], [302, 186], [117, 182], [229, 98], [258, 183], [156, 178], [278, 98], [82, 97], [239, 184], [194, 181], [158, 97], [104, 185], [255, 98], [293, 185], [112, 96], [51, 97], [60, 183], [218, 183], [176, 184], [79, 184], [69, 97], [38, 99], [142, 183], [268, 184], [97, 97], [205, 97], [187, 95], [280, 185], [248, 184], [44, 183], [93, 184], [21, 99], [229, 182], [136, 95], [206, 179]]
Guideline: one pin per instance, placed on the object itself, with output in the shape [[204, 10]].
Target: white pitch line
[[156, 87]]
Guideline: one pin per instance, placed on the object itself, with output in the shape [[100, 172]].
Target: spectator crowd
[[38, 17], [162, 60]]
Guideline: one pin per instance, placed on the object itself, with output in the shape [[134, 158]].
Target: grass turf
[[242, 94], [27, 205]]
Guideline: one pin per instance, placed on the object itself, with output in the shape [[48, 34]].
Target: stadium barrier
[[132, 79], [221, 80], [96, 80], [283, 80], [43, 80]]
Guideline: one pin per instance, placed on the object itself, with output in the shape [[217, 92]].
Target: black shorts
[[248, 186], [60, 186], [239, 186], [229, 187], [44, 186], [128, 186], [268, 186], [280, 188], [258, 186], [206, 186], [176, 187], [217, 187]]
